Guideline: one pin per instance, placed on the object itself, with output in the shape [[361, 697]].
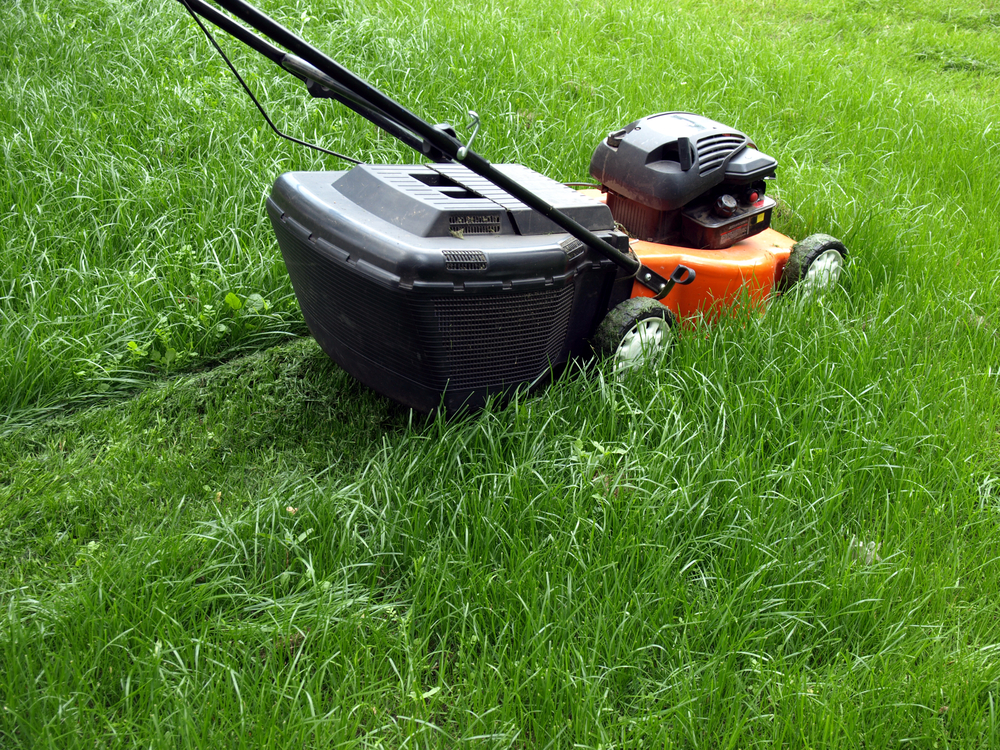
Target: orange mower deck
[[752, 266]]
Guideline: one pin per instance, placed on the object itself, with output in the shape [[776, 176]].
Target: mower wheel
[[814, 264], [634, 332]]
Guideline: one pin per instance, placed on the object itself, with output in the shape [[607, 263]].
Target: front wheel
[[635, 332], [814, 265]]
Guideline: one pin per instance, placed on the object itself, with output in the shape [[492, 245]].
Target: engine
[[682, 179]]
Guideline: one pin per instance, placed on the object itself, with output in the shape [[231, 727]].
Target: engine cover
[[667, 160]]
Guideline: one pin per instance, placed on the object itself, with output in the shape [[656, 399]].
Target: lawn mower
[[444, 283]]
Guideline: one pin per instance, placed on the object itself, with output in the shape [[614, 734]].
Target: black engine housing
[[681, 178]]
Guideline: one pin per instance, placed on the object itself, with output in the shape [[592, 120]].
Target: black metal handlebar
[[326, 77]]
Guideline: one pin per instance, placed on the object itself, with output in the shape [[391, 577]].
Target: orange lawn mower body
[[691, 195], [751, 267]]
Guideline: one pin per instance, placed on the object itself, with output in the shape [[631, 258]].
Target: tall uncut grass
[[783, 534]]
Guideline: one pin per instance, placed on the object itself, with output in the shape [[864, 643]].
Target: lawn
[[786, 533]]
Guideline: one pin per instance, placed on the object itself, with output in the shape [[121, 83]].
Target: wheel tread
[[804, 252], [621, 319]]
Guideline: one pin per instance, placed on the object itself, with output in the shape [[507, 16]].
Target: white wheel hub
[[644, 341], [823, 272]]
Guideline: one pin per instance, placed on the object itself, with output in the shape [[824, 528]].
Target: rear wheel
[[635, 332], [814, 265]]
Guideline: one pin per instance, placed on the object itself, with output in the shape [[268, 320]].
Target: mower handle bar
[[330, 79]]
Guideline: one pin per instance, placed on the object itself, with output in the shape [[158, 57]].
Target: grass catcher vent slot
[[464, 260], [494, 340], [573, 249], [475, 223]]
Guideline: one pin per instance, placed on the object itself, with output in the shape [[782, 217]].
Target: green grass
[[214, 537]]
